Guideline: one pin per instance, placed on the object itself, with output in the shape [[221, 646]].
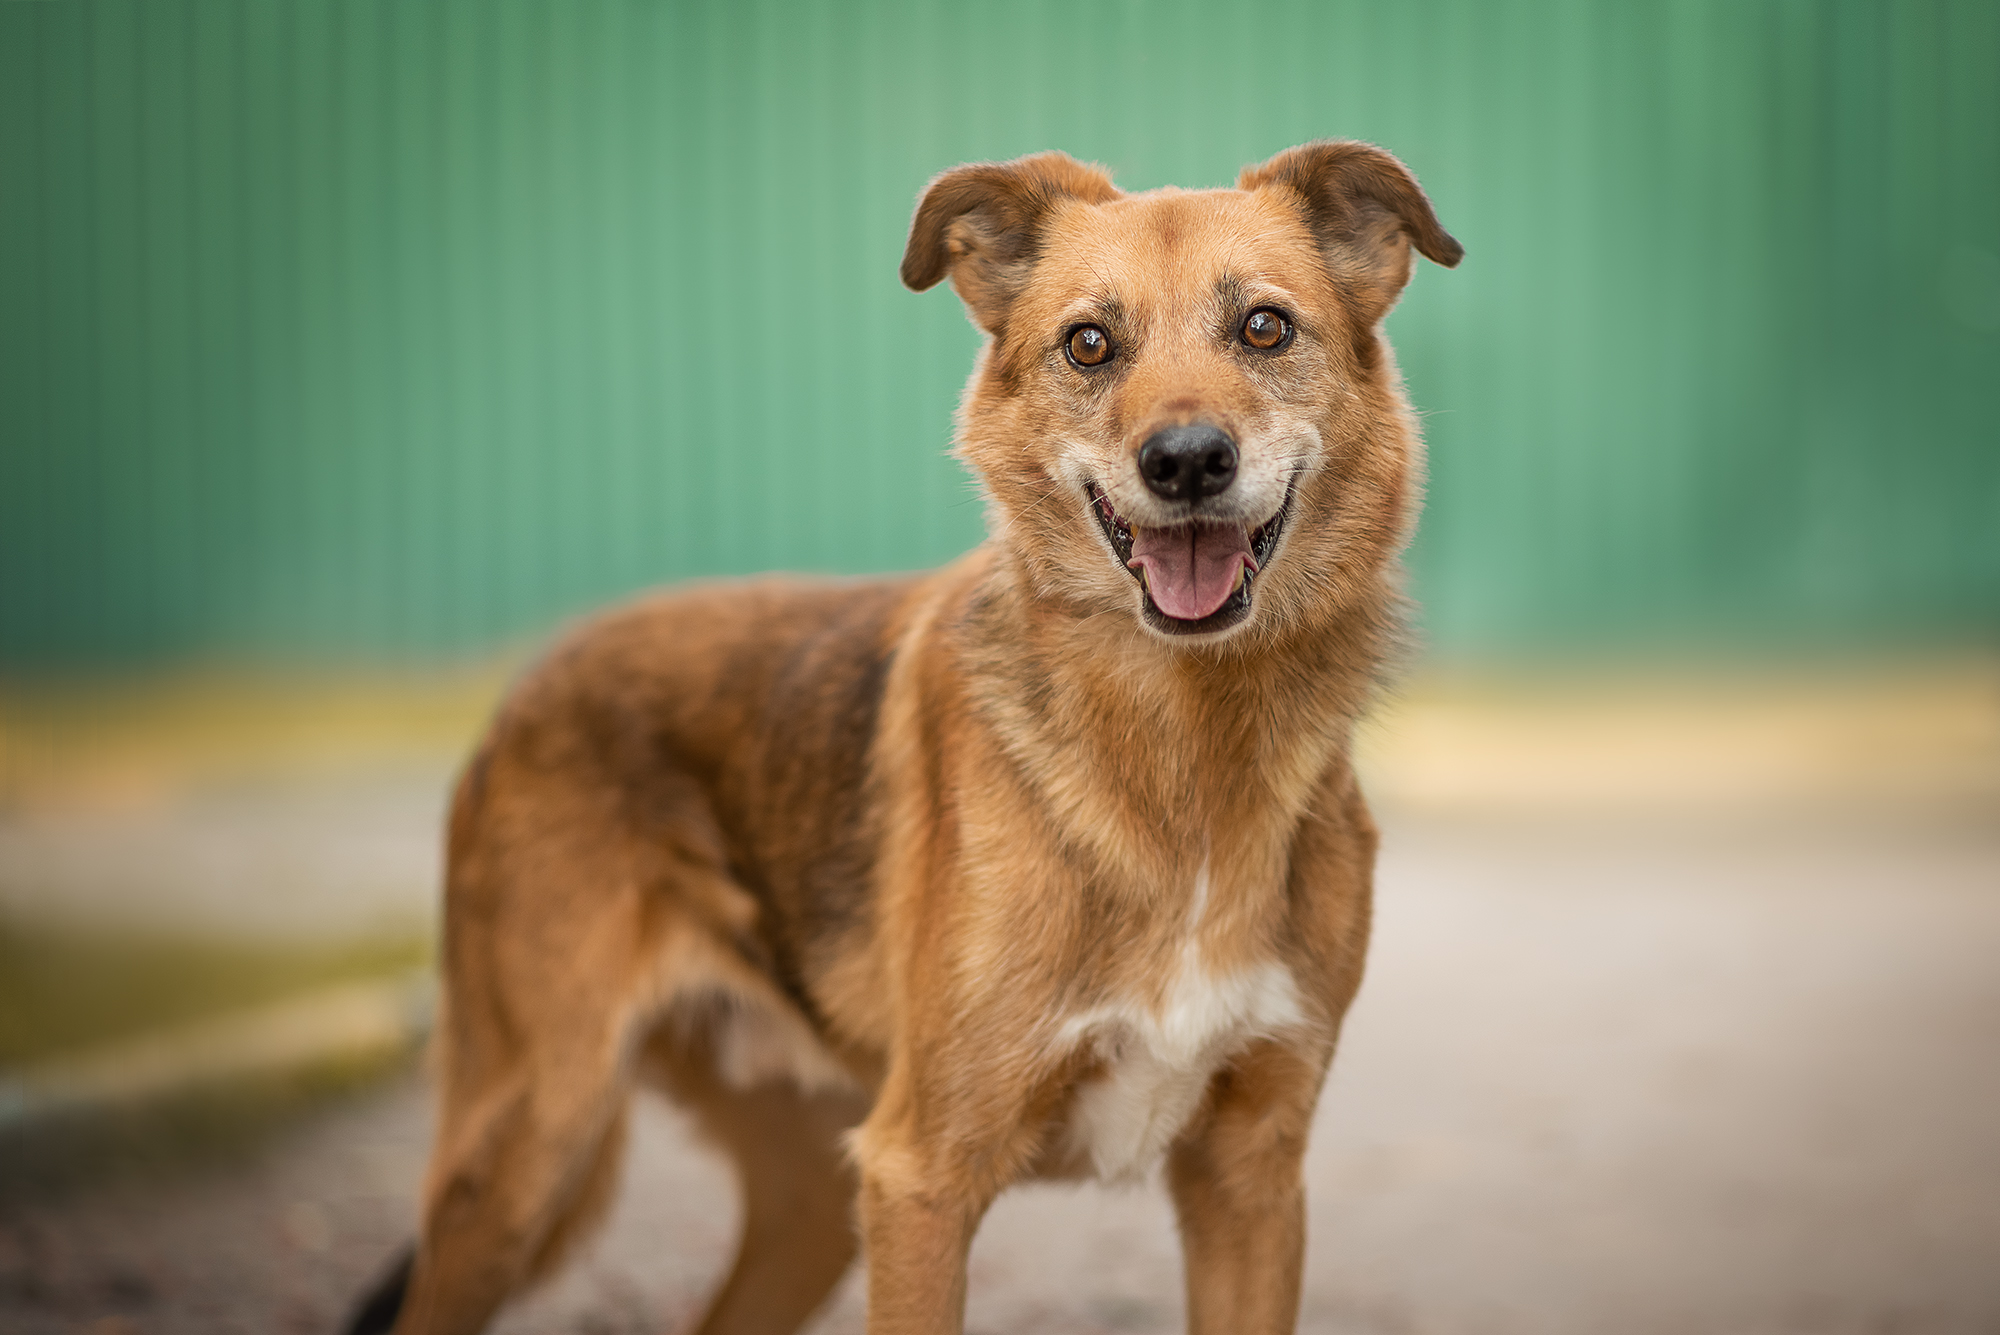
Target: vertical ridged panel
[[361, 327]]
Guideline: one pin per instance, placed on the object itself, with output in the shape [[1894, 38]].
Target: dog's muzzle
[[1197, 577]]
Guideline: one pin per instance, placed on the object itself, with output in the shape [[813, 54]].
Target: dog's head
[[1185, 406]]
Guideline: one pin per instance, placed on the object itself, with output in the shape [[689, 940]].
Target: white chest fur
[[1158, 1060]]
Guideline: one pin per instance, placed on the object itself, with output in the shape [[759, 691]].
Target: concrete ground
[[1611, 1074]]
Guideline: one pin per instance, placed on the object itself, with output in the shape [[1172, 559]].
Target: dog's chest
[[1159, 1060]]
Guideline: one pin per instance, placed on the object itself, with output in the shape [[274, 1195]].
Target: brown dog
[[1048, 863]]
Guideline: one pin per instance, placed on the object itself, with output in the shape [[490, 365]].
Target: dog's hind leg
[[523, 1163], [527, 1149], [797, 1190], [566, 925]]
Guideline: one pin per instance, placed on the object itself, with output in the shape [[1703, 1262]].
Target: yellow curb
[[1920, 738], [349, 1023]]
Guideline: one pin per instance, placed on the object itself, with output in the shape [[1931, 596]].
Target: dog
[[1049, 863]]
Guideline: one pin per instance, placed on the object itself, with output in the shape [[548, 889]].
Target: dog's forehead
[[1175, 242]]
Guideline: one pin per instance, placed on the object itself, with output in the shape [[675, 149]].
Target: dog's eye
[[1089, 345], [1266, 329]]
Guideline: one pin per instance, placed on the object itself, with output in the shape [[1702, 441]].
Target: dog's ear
[[1366, 209], [980, 224]]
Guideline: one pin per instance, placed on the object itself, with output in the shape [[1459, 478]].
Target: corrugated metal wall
[[376, 327]]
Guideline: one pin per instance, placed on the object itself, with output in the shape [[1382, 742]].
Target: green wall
[[392, 329]]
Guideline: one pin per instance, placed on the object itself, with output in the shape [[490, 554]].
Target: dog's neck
[[1137, 733]]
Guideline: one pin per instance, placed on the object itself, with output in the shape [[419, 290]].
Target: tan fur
[[984, 864]]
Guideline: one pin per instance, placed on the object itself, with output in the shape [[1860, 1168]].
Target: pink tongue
[[1191, 571]]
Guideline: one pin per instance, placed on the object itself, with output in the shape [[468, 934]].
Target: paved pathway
[[1602, 1080]]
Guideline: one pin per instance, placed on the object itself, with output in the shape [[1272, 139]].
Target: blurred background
[[349, 347]]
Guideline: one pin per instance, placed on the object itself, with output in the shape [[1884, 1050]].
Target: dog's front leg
[[918, 1210], [1237, 1182], [932, 1160], [916, 1244]]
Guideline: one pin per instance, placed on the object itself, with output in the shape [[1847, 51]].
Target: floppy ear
[[1367, 211], [980, 224]]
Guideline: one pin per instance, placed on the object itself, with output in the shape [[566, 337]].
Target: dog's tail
[[376, 1313]]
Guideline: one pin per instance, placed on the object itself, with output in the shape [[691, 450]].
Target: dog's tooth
[[1240, 569]]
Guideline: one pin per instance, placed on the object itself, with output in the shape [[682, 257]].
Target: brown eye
[[1089, 345], [1266, 329]]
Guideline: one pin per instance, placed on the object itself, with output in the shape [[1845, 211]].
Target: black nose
[[1185, 463]]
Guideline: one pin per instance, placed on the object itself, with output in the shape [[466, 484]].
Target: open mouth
[[1198, 577]]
